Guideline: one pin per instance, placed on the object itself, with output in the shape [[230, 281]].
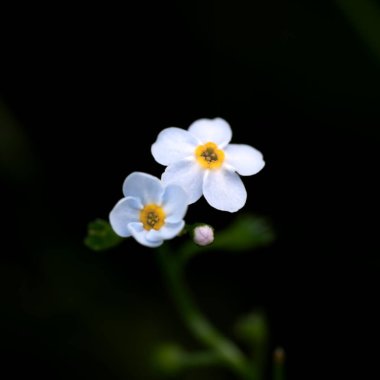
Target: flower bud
[[279, 356], [203, 235]]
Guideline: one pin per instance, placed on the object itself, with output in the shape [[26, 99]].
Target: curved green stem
[[200, 327]]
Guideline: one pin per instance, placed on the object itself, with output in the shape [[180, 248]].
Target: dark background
[[84, 93]]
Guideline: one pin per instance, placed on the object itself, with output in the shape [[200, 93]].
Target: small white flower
[[150, 212], [203, 235], [202, 161]]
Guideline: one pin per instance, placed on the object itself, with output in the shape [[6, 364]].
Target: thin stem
[[200, 327]]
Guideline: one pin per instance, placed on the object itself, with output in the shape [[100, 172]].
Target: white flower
[[202, 161], [150, 212], [203, 235]]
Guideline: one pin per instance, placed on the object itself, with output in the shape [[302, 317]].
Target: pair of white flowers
[[200, 161]]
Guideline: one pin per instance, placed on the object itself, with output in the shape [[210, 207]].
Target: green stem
[[200, 327]]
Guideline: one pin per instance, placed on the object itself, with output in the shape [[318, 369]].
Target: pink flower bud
[[203, 235]]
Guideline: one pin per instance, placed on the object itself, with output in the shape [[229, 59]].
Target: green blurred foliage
[[100, 236], [364, 16], [246, 232], [253, 328], [168, 359]]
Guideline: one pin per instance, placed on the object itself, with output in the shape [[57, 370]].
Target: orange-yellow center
[[152, 216], [209, 156]]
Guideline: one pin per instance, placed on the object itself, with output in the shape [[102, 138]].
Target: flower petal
[[173, 144], [168, 231], [174, 203], [187, 174], [125, 211], [245, 159], [224, 190], [143, 186], [140, 234], [215, 130]]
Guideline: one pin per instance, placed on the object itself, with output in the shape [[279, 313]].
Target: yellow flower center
[[152, 216], [209, 156]]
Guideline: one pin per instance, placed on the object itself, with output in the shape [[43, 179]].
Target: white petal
[[187, 174], [215, 130], [224, 190], [143, 186], [140, 234], [126, 211], [154, 236], [174, 203], [173, 144], [168, 231], [245, 159]]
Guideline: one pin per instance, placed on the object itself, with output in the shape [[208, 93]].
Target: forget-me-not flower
[[151, 212], [202, 161]]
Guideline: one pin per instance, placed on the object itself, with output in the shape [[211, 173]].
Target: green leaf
[[246, 232], [100, 236]]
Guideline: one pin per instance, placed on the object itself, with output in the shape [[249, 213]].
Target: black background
[[86, 90]]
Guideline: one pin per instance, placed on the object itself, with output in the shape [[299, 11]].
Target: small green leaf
[[246, 232], [100, 236]]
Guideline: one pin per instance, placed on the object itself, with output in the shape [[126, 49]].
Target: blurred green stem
[[200, 327]]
